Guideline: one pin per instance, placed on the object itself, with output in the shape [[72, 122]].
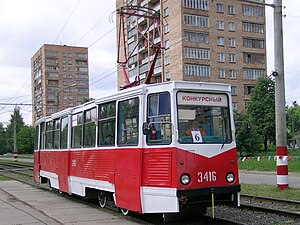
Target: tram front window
[[203, 118]]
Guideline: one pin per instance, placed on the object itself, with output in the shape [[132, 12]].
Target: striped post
[[282, 167], [15, 156]]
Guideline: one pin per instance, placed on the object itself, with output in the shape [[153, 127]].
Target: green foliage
[[25, 135], [293, 121], [268, 165], [261, 108], [26, 139], [247, 138]]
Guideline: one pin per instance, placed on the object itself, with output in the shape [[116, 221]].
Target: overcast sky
[[26, 25]]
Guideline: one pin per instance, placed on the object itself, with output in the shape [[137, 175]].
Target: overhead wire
[[74, 9], [92, 27]]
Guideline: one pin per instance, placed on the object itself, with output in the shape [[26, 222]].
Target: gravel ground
[[249, 217]]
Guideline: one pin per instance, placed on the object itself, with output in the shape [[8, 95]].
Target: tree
[[10, 127], [247, 138], [261, 108], [293, 121], [26, 139]]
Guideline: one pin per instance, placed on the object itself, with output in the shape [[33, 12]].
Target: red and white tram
[[156, 148]]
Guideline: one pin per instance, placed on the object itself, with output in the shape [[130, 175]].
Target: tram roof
[[144, 88]]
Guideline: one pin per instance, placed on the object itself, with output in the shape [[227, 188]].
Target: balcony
[[144, 3], [156, 40], [157, 70]]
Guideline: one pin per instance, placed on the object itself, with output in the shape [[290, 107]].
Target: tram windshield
[[203, 118]]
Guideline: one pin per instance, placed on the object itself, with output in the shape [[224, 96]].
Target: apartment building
[[59, 79], [204, 40]]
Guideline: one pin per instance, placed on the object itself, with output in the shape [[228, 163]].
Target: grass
[[267, 163], [2, 178], [265, 190], [23, 156], [18, 162]]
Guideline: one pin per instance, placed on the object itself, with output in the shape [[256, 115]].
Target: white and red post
[[280, 114], [282, 167]]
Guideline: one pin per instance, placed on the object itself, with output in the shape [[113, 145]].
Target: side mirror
[[146, 129]]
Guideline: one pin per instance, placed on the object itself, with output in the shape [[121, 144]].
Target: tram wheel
[[125, 212], [102, 199]]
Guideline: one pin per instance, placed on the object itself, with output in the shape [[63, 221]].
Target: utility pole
[[280, 115], [15, 153]]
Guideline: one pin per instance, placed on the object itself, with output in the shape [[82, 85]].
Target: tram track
[[282, 207], [254, 204]]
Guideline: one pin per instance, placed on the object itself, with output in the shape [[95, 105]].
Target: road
[[255, 177]]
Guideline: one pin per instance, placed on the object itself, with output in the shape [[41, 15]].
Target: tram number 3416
[[208, 176]]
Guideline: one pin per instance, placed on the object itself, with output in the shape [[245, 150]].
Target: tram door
[[128, 156], [64, 155]]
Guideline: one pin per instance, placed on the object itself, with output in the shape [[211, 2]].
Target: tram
[[154, 148]]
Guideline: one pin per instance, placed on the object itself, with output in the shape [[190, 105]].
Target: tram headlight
[[230, 177], [185, 179]]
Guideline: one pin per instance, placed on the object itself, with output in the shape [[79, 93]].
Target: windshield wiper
[[224, 140]]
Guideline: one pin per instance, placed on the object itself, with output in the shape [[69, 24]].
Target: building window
[[220, 25], [232, 57], [196, 53], [234, 106], [81, 55], [167, 44], [248, 89], [253, 27], [51, 53], [197, 37], [168, 75], [166, 28], [219, 8], [194, 20], [220, 41], [166, 12], [221, 73], [254, 58], [196, 70], [52, 68], [196, 4], [231, 26], [231, 9], [221, 57], [233, 90], [232, 74], [250, 10], [167, 60], [253, 74], [253, 43], [232, 42]]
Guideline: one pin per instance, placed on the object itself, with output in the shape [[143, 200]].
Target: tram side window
[[128, 122], [89, 128], [64, 133], [107, 121], [159, 118], [49, 135], [77, 130], [56, 131], [42, 136]]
